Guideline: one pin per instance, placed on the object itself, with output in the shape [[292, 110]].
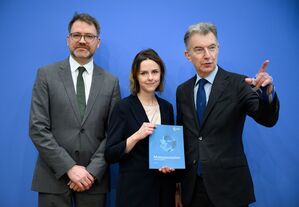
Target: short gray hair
[[202, 28]]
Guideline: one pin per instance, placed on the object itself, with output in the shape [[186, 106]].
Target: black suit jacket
[[217, 143], [137, 185]]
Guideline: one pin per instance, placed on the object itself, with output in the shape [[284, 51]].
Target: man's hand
[[74, 187], [80, 178], [262, 79], [178, 196]]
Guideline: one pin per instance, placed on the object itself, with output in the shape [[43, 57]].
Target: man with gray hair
[[212, 107]]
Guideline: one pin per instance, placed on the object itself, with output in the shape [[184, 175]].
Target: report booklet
[[166, 147]]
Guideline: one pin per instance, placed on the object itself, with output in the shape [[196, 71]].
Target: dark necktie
[[200, 106], [201, 99], [81, 92]]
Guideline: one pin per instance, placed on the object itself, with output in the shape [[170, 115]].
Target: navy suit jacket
[[137, 184], [217, 143]]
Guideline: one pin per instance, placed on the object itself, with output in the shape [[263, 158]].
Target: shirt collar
[[210, 77], [74, 65]]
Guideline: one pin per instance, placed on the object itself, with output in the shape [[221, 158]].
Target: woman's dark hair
[[147, 54]]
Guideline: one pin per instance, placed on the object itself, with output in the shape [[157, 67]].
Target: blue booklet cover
[[166, 147]]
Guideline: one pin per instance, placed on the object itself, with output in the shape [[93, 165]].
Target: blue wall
[[33, 33]]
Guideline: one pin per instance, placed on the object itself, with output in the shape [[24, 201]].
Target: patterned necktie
[[200, 106], [81, 92]]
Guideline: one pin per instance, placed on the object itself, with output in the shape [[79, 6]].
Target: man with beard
[[71, 104]]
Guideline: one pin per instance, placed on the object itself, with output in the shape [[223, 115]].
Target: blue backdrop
[[33, 33]]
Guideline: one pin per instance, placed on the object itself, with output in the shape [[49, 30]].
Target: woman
[[132, 121]]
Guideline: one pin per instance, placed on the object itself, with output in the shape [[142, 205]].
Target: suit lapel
[[163, 111], [219, 85], [140, 114], [190, 93], [137, 110], [66, 76], [95, 88]]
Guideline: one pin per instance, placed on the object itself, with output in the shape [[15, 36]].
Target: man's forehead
[[209, 35], [79, 23], [203, 39]]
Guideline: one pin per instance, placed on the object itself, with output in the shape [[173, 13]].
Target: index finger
[[90, 177], [264, 66], [152, 125]]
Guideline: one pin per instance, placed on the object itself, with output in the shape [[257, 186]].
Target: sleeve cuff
[[268, 98]]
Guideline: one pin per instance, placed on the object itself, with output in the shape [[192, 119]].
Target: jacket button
[[200, 138], [82, 130]]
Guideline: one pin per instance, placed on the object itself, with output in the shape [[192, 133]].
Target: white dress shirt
[[208, 86], [87, 74]]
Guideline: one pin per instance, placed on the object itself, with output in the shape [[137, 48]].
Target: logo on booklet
[[167, 143]]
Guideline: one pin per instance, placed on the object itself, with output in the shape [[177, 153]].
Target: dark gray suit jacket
[[217, 143], [58, 133]]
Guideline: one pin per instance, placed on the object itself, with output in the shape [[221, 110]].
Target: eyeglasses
[[87, 37]]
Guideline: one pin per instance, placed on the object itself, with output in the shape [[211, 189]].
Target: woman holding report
[[132, 121]]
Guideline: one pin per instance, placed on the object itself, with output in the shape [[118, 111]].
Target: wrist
[[94, 177], [136, 136], [270, 89]]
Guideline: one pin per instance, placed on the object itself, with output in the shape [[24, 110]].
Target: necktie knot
[[81, 70], [202, 82]]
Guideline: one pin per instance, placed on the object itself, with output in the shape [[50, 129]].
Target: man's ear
[[187, 55], [67, 40], [99, 42]]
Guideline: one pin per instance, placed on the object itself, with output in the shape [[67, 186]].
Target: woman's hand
[[145, 130], [166, 170]]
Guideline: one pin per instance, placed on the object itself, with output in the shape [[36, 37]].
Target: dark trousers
[[71, 199], [200, 197]]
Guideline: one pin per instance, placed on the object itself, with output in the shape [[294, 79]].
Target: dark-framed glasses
[[87, 37]]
